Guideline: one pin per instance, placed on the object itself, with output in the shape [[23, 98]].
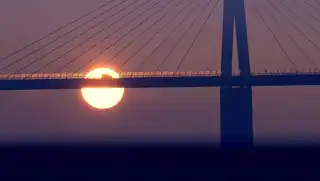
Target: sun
[[102, 98]]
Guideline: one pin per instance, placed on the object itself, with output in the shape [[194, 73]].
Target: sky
[[281, 114]]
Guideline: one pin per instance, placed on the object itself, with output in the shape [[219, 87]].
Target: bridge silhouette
[[44, 81], [235, 86]]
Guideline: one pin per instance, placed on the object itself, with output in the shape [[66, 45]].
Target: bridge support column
[[235, 103], [236, 117]]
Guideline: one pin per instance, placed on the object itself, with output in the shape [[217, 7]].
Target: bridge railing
[[82, 75], [169, 74]]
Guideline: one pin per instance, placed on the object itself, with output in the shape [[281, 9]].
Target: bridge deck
[[82, 75], [156, 79]]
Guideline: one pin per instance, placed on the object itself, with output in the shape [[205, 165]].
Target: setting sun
[[102, 98]]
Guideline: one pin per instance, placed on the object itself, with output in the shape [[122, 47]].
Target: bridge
[[156, 80], [235, 86]]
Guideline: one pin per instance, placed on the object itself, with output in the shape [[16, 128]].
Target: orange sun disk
[[102, 98]]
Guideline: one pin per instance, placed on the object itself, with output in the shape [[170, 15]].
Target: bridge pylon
[[235, 102]]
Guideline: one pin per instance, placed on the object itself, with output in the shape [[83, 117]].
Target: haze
[[281, 114]]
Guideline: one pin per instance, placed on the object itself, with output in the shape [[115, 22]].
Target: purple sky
[[280, 114]]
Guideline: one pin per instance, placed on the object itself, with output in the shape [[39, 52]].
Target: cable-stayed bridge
[[161, 35]]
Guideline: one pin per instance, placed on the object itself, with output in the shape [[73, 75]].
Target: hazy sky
[[280, 114]]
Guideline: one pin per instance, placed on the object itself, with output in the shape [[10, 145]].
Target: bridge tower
[[235, 102]]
